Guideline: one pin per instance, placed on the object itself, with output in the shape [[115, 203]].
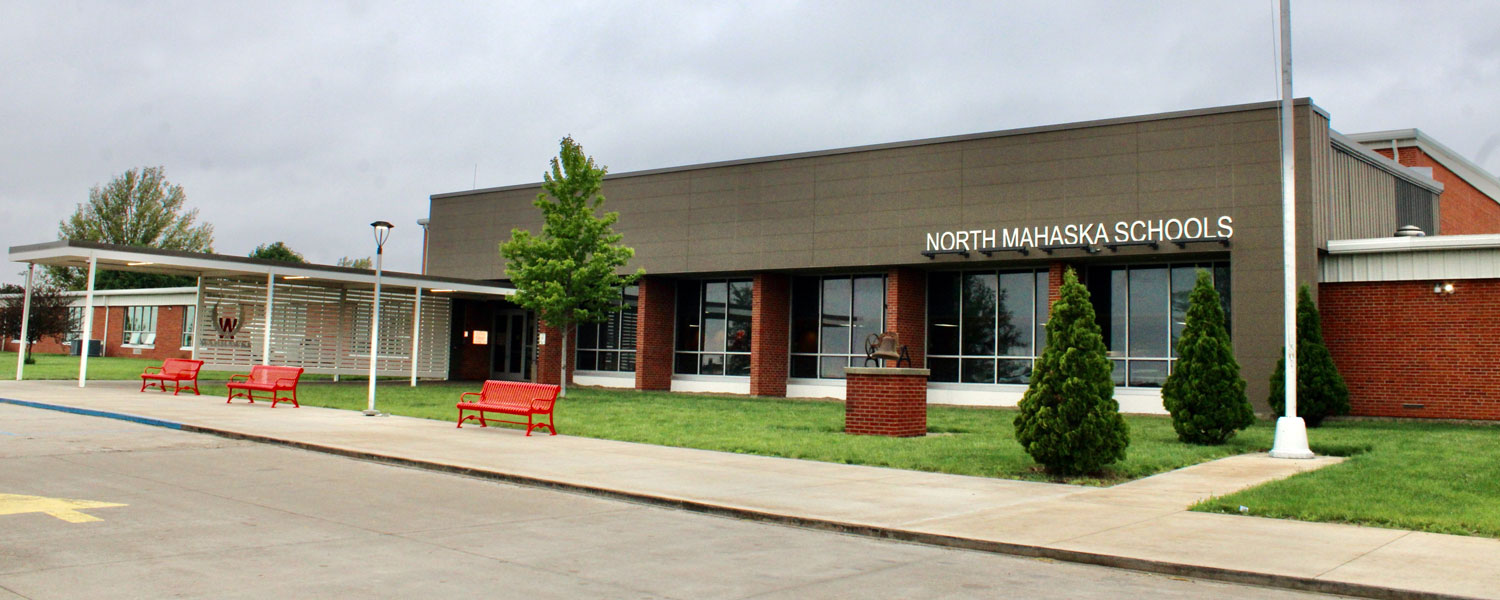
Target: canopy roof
[[71, 253]]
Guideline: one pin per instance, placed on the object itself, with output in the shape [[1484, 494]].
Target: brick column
[[906, 312], [549, 355], [653, 334], [771, 328], [890, 402], [1054, 281]]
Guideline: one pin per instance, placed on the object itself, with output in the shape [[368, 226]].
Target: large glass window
[[610, 345], [831, 318], [140, 326], [713, 327], [985, 326], [1142, 311]]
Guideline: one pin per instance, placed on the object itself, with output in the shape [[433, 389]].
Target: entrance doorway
[[512, 345]]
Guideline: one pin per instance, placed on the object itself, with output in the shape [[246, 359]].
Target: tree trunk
[[562, 379]]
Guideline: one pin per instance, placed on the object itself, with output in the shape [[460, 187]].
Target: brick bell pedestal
[[886, 401]]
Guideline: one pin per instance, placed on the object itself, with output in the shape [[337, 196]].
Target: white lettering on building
[[1075, 234]]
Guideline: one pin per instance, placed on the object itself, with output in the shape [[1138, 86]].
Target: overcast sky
[[305, 121]]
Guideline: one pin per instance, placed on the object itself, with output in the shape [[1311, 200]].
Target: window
[[189, 324], [713, 327], [75, 320], [831, 317], [985, 326], [1142, 311], [610, 346], [140, 326]]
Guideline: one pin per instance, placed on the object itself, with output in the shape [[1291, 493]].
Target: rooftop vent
[[1410, 231]]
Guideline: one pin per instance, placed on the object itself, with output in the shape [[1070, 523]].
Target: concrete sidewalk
[[1140, 525]]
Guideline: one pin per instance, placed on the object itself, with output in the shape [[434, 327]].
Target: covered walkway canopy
[[253, 311]]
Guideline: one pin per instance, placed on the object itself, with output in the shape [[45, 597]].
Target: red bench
[[175, 370], [266, 378], [512, 398]]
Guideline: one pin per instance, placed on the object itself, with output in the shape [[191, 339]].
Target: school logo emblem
[[226, 325]]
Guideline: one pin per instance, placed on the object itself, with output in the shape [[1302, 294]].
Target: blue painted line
[[95, 413]]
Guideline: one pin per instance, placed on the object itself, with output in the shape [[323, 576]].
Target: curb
[[1291, 582]]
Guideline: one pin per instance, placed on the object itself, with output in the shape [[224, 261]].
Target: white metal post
[[416, 335], [25, 322], [197, 317], [265, 344], [1291, 430], [88, 321], [375, 334]]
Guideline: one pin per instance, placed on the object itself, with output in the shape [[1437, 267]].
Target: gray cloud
[[309, 120]]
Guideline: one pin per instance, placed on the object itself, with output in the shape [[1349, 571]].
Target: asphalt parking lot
[[172, 514]]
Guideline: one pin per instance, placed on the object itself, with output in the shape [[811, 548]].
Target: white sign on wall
[[1074, 234]]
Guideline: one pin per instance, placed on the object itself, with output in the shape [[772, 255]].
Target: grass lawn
[[965, 441], [1426, 476], [1438, 477], [108, 368]]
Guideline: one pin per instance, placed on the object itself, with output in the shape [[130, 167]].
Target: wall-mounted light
[[440, 291], [1445, 288], [138, 264], [291, 277]]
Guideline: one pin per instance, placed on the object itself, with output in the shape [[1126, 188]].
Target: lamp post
[[382, 231]]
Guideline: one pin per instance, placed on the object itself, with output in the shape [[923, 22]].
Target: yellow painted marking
[[66, 509]]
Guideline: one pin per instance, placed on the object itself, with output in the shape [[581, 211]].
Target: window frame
[[133, 315], [699, 352], [632, 306], [1039, 312], [819, 357]]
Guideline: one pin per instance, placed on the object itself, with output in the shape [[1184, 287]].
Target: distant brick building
[[152, 323]]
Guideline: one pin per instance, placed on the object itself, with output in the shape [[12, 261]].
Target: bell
[[884, 346]]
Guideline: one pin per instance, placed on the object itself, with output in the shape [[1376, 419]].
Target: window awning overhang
[[71, 253]]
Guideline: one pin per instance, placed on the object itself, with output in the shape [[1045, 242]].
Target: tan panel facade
[[874, 208]]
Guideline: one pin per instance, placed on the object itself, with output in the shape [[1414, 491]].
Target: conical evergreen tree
[[1321, 391], [1069, 420], [1205, 392]]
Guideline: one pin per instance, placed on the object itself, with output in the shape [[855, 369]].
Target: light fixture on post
[[382, 231]]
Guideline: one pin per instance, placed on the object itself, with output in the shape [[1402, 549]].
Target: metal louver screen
[[1414, 207], [321, 329]]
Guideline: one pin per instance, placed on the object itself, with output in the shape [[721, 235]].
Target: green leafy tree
[[277, 251], [1069, 420], [1321, 391], [363, 262], [1205, 392], [137, 208], [569, 274], [49, 315]]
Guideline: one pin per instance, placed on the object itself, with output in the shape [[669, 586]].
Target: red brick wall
[[891, 405], [769, 314], [1055, 281], [168, 335], [549, 355], [1462, 208], [906, 312], [1398, 343], [653, 334]]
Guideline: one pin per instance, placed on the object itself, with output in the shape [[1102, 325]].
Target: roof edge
[[1414, 244], [1459, 164], [1163, 116], [1375, 159]]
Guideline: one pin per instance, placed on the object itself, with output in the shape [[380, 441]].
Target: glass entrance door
[[512, 346]]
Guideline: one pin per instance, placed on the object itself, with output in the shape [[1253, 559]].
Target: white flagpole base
[[1291, 439]]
